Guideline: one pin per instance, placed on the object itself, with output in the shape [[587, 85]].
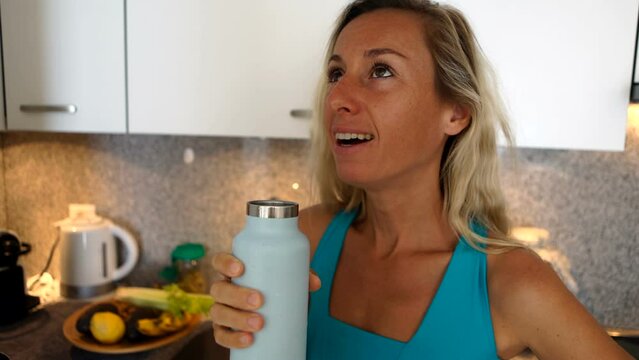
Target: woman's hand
[[233, 314]]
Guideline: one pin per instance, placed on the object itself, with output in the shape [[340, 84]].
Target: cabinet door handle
[[70, 109], [302, 113]]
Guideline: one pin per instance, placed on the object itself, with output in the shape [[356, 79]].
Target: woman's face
[[382, 89]]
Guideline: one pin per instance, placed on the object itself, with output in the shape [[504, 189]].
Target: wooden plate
[[123, 347]]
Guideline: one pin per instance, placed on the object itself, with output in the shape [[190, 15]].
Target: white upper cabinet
[[232, 68], [64, 65], [248, 68], [565, 67]]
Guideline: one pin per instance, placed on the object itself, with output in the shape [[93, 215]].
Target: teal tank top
[[457, 325]]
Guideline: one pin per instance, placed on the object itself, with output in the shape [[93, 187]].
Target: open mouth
[[351, 139]]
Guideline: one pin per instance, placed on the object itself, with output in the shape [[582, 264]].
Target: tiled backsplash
[[143, 184], [589, 201]]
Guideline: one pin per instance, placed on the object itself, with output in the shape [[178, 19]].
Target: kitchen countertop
[[40, 336]]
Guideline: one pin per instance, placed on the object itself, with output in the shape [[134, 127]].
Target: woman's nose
[[343, 96]]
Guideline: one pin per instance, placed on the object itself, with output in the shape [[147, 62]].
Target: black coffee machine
[[14, 302]]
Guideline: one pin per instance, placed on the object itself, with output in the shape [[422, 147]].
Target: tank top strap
[[324, 263], [478, 228], [459, 310], [330, 246]]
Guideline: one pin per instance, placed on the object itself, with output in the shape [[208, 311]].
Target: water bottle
[[276, 262]]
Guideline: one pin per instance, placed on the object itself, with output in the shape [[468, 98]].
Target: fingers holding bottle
[[227, 265], [233, 314], [314, 281], [234, 328], [235, 296]]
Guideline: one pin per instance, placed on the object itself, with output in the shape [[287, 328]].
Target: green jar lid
[[188, 251]]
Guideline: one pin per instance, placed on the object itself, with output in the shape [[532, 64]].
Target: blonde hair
[[469, 171]]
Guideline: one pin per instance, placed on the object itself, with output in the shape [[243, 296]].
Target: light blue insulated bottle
[[276, 262]]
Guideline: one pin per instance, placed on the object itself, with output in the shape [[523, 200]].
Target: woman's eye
[[334, 75], [381, 71]]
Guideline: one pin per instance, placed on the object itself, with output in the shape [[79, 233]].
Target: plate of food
[[135, 320]]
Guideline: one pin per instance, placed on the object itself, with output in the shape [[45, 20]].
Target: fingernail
[[245, 339], [235, 268], [254, 322], [253, 299]]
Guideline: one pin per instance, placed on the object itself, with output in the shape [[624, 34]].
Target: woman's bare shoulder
[[528, 298], [313, 222], [518, 269]]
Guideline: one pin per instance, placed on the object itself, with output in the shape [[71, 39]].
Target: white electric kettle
[[88, 253]]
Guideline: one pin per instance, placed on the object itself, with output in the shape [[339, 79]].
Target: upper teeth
[[349, 136]]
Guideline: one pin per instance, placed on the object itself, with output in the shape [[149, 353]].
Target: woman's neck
[[405, 218]]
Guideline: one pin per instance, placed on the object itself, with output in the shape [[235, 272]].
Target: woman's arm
[[534, 309]]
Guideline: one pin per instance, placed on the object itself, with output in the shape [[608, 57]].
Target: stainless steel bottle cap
[[272, 209]]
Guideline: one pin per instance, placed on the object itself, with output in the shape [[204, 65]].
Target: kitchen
[[169, 174]]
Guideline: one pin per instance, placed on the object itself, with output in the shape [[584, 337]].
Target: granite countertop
[[40, 336]]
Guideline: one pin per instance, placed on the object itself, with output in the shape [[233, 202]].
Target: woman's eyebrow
[[383, 51], [371, 53], [335, 57]]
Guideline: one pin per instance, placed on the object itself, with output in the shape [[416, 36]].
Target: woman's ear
[[459, 120]]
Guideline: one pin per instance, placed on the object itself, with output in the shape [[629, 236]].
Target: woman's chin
[[355, 177]]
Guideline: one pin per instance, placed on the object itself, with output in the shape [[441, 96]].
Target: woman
[[410, 241]]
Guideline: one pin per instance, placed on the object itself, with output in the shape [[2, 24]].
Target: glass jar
[[187, 261]]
